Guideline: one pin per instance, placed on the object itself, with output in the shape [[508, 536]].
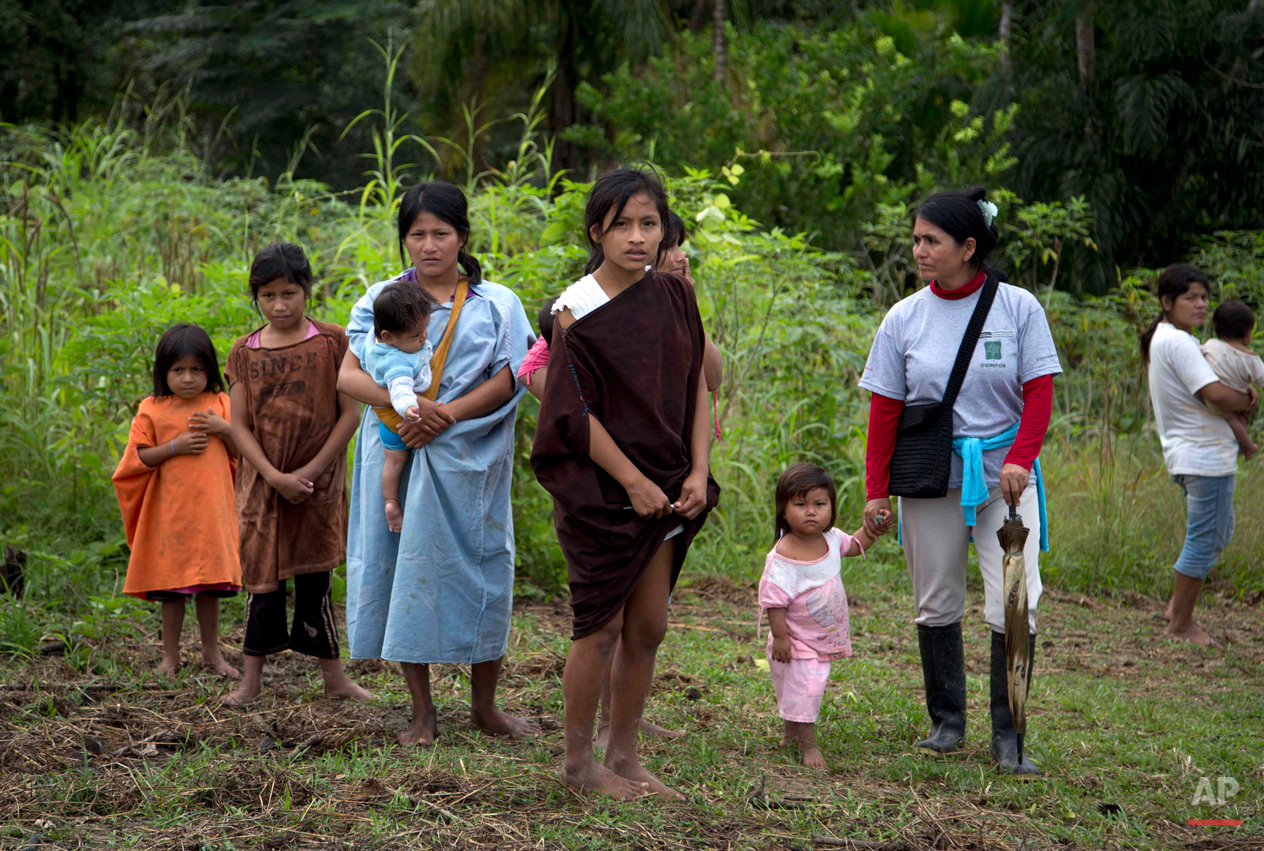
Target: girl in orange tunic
[[175, 489]]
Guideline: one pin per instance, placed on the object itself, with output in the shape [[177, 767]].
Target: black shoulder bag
[[922, 459]]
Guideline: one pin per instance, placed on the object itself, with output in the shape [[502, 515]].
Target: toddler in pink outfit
[[802, 592]]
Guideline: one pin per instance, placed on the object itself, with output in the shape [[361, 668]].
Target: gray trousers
[[936, 546]]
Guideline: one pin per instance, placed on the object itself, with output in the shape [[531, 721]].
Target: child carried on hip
[[1235, 364], [399, 360]]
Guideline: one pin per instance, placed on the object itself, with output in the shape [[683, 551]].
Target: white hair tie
[[989, 211]]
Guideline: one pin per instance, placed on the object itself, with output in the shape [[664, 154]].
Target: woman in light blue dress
[[440, 590]]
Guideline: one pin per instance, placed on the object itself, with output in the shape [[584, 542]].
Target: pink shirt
[[813, 596], [537, 357]]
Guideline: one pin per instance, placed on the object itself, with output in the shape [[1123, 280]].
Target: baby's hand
[[781, 649], [412, 414]]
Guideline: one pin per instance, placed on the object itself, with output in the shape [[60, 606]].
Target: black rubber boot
[[1004, 738], [944, 671]]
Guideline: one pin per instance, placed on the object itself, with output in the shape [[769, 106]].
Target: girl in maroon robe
[[622, 445]]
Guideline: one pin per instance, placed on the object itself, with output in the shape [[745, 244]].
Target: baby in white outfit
[[1235, 364]]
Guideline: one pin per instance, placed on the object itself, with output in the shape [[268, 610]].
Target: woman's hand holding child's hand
[[693, 496], [648, 499], [781, 648], [879, 518]]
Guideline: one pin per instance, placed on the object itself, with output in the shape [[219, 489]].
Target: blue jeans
[[1208, 522]]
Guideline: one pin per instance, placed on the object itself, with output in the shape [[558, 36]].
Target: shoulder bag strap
[[970, 340], [440, 356]]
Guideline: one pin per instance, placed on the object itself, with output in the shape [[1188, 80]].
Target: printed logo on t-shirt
[[992, 350], [1002, 333]]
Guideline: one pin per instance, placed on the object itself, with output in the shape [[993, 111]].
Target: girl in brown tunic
[[292, 426], [622, 445]]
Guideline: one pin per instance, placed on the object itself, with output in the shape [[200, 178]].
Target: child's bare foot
[[338, 684], [595, 777], [242, 695], [394, 516], [347, 690], [1194, 632], [631, 769], [1249, 449], [648, 729], [169, 664], [1167, 613], [423, 732], [219, 665], [813, 758], [500, 723]]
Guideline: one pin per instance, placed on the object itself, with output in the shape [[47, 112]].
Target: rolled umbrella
[[1013, 537]]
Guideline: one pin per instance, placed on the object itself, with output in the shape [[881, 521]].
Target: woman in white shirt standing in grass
[[1199, 447]]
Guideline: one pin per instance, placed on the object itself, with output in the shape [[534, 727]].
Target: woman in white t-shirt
[[1199, 447], [999, 421]]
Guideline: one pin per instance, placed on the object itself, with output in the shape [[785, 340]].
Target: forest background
[[149, 148]]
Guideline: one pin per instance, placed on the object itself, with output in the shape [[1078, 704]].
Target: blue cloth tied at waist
[[974, 489]]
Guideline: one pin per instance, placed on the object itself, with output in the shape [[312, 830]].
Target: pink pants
[[800, 685]]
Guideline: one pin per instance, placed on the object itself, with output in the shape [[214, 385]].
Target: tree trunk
[[1085, 48], [1007, 22], [562, 116], [719, 42]]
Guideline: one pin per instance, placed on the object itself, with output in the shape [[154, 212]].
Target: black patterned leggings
[[314, 633]]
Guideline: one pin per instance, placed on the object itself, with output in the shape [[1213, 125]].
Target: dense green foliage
[[1161, 140], [1150, 112]]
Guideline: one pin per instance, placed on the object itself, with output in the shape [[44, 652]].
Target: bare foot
[[1249, 450], [423, 732], [347, 689], [813, 758], [242, 695], [503, 724], [597, 778], [648, 729], [169, 665], [634, 771], [1192, 632], [216, 663], [1167, 613], [338, 684], [394, 516]]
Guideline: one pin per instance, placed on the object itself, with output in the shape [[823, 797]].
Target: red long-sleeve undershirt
[[884, 422]]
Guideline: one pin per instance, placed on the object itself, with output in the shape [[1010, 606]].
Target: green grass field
[[96, 751]]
